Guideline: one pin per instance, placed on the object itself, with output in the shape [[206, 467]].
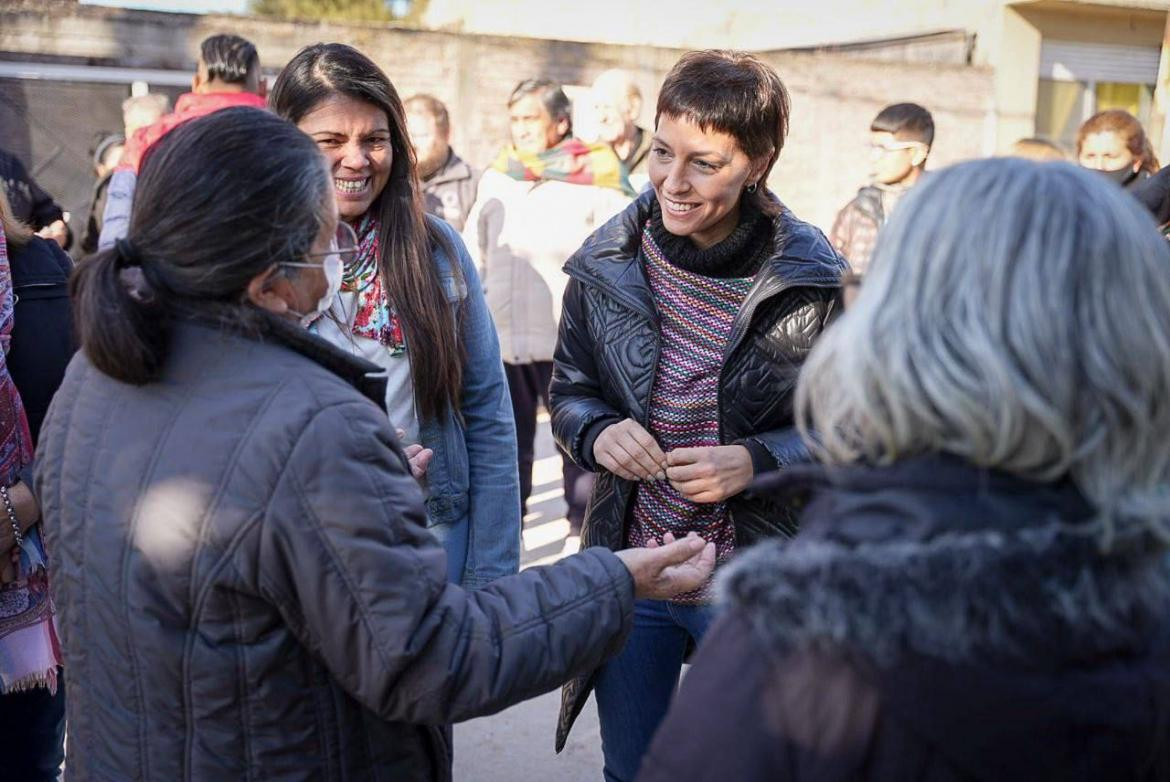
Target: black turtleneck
[[741, 254]]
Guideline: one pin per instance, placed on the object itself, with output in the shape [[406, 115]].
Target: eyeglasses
[[344, 244], [894, 146]]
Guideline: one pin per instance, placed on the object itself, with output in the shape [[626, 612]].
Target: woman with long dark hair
[[247, 589], [411, 302]]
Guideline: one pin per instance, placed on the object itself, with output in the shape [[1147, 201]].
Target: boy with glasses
[[900, 138]]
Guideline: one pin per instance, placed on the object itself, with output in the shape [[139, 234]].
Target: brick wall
[[833, 96]]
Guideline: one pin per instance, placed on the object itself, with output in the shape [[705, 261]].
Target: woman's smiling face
[[699, 177], [354, 136]]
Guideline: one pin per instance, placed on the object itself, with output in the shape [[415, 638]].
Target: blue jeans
[[635, 687]]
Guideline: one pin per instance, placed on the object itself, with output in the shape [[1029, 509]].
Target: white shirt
[[399, 386]]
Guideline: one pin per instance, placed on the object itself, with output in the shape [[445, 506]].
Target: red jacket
[[189, 106]]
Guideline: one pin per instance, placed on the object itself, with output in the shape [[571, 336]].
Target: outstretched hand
[[662, 571]]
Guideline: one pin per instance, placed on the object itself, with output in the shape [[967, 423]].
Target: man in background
[[618, 102], [544, 195], [227, 74], [142, 108], [900, 138], [448, 183], [107, 153]]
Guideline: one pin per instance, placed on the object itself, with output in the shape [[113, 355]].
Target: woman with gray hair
[[979, 587]]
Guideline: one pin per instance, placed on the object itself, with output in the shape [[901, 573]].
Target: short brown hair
[[733, 93], [423, 103], [1125, 125]]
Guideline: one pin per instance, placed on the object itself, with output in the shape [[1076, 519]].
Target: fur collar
[[937, 560]]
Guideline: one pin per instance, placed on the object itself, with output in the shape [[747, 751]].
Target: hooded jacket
[[607, 358], [932, 621]]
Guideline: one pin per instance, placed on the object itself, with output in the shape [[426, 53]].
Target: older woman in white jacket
[[544, 195]]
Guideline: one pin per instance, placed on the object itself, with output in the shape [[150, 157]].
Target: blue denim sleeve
[[493, 547], [119, 199]]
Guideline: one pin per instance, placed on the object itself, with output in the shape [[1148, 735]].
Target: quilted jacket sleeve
[[802, 326], [348, 562], [578, 410]]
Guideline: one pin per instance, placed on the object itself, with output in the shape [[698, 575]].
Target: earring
[[751, 188]]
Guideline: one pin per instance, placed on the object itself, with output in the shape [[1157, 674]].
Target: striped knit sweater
[[697, 312]]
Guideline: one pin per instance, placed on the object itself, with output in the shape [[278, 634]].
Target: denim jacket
[[473, 484]]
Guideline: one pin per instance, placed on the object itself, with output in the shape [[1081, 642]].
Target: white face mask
[[333, 267]]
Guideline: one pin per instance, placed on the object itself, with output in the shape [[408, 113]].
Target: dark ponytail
[[123, 336], [219, 200]]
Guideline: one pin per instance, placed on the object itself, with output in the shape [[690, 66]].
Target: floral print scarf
[[375, 318]]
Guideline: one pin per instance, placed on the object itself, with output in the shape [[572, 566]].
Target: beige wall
[[742, 24], [833, 97], [1072, 21], [1017, 67]]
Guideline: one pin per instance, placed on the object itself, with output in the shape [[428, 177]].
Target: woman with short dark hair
[[979, 589], [246, 584], [685, 323]]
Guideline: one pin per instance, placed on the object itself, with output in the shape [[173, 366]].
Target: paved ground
[[516, 745]]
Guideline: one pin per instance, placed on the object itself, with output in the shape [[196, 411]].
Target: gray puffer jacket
[[246, 586]]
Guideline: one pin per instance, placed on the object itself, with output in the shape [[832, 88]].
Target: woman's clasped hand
[[704, 474]]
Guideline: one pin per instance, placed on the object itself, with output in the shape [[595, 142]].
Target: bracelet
[[17, 535]]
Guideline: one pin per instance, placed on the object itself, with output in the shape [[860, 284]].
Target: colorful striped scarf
[[29, 649], [571, 161]]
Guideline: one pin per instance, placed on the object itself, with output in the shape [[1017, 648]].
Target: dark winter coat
[[247, 588], [449, 193], [1154, 194], [931, 622], [42, 327], [607, 357], [30, 204], [855, 230]]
